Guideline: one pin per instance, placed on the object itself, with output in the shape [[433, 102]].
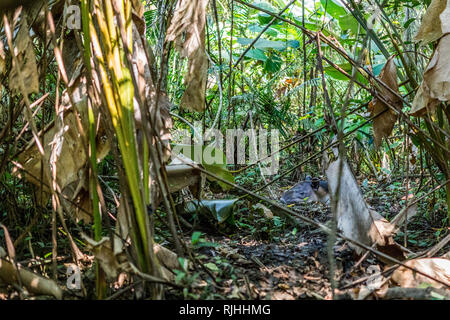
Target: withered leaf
[[71, 158], [25, 73], [435, 22], [354, 218], [190, 18], [384, 123], [436, 80], [438, 268]]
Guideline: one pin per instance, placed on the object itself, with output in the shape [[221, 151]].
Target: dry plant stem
[[122, 291], [219, 43], [59, 124], [230, 66], [341, 159], [431, 252], [272, 195], [324, 86], [399, 217]]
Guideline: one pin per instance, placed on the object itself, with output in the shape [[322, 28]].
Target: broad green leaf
[[273, 64], [211, 266], [348, 22], [347, 67], [310, 24], [256, 54], [196, 237], [221, 210], [333, 8], [257, 29], [377, 68], [293, 44], [212, 159], [263, 17], [265, 44]]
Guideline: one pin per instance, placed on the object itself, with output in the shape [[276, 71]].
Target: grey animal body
[[309, 190]]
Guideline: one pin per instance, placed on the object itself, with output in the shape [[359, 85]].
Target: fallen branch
[[33, 282]]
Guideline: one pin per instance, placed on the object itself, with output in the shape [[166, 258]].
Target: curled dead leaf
[[24, 76], [435, 22], [266, 211], [354, 218], [71, 158], [190, 18], [436, 267], [384, 124], [103, 252], [436, 81]]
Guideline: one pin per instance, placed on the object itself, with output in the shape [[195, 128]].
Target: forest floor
[[272, 258], [269, 257]]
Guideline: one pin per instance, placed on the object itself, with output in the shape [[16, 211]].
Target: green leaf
[[184, 263], [310, 24], [212, 159], [377, 68], [263, 17], [211, 266], [221, 210], [207, 244], [333, 8], [265, 44], [196, 237], [348, 22], [347, 67], [407, 23], [293, 44], [258, 28], [273, 64], [256, 54]]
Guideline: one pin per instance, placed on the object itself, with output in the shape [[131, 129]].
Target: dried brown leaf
[[435, 22], [26, 72], [103, 252], [71, 158], [266, 211], [138, 8], [436, 80], [354, 218], [384, 124], [436, 267], [190, 18]]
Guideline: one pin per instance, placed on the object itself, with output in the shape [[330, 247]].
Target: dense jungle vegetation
[[224, 149]]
